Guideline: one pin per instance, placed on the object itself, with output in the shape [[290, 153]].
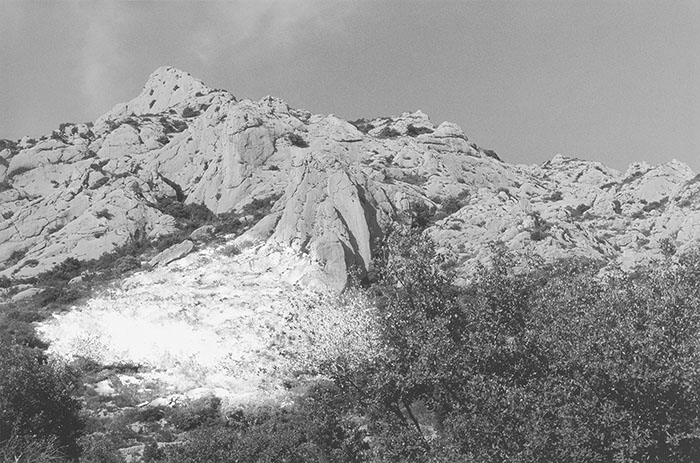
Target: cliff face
[[89, 188]]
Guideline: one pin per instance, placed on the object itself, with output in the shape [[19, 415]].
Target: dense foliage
[[551, 364], [37, 401], [312, 430]]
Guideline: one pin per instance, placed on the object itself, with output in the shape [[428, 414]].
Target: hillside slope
[[89, 188]]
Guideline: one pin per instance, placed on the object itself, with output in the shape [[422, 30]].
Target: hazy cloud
[[250, 28], [101, 55]]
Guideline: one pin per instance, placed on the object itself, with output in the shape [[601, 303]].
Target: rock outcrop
[[89, 188]]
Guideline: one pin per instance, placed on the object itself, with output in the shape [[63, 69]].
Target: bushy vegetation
[[313, 430], [297, 140], [190, 112], [413, 131], [388, 132], [540, 227], [553, 363], [547, 363], [422, 215], [37, 403], [363, 125]]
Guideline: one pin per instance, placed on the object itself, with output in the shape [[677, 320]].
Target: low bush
[[151, 453], [206, 411], [190, 112], [655, 205], [98, 184], [413, 131], [315, 429], [414, 178], [578, 212], [16, 256], [363, 125], [388, 132], [37, 399], [555, 196], [99, 448], [60, 295], [297, 140], [231, 250]]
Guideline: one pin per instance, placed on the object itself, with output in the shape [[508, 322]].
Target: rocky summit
[[334, 188]]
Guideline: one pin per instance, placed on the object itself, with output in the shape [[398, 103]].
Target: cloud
[[207, 31], [248, 28], [101, 56]]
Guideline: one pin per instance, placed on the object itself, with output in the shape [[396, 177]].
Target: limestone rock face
[[335, 186], [173, 253]]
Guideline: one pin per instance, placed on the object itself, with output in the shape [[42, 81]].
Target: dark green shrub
[[654, 205], [151, 452], [104, 214], [59, 295], [555, 196], [414, 178], [17, 171], [617, 207], [297, 140], [21, 333], [26, 316], [190, 112], [37, 398], [231, 250], [99, 183], [316, 429], [362, 125], [173, 125], [260, 207], [492, 154], [540, 228], [667, 246], [199, 413], [189, 215], [388, 132], [16, 256], [227, 223], [126, 264], [65, 271], [413, 131], [99, 448], [8, 145], [450, 205], [421, 215], [150, 414]]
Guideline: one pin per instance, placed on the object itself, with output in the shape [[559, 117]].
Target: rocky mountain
[[334, 187]]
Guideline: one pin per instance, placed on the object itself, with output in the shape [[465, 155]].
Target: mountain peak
[[165, 88], [169, 77]]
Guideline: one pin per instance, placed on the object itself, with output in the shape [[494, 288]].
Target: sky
[[615, 81]]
